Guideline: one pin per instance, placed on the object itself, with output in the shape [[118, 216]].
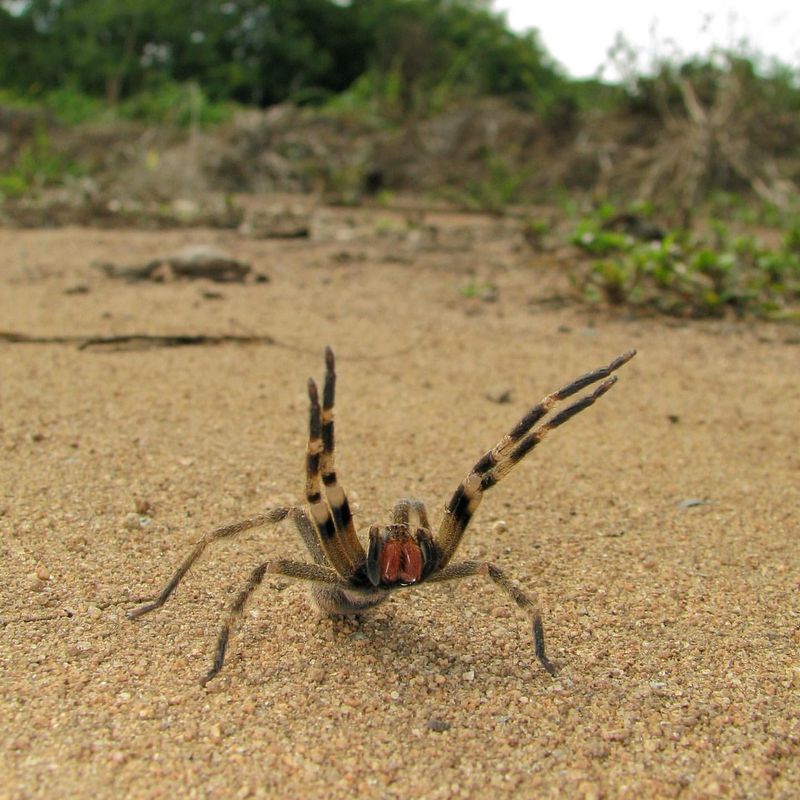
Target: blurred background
[[602, 128]]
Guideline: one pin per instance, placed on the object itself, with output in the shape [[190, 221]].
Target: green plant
[[686, 275], [181, 104], [475, 288], [499, 185], [37, 165]]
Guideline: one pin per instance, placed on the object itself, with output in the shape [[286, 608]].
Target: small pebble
[[316, 674], [136, 522], [499, 395], [437, 725], [142, 506], [500, 526]]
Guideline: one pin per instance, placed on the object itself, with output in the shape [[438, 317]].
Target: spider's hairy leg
[[513, 447], [337, 499], [330, 541], [467, 569], [270, 517], [289, 569]]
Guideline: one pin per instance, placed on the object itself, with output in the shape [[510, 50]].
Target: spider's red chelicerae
[[345, 579]]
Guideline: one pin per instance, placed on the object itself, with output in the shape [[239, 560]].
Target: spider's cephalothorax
[[345, 578]]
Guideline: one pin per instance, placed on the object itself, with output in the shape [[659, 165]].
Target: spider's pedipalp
[[512, 448], [401, 513]]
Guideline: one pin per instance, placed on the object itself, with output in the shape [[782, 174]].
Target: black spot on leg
[[327, 529], [485, 463], [327, 437], [342, 515], [314, 498], [329, 478], [568, 413], [312, 463], [459, 502], [527, 422], [487, 481], [526, 445]]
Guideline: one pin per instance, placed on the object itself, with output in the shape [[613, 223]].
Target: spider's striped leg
[[310, 536], [271, 517], [337, 499], [339, 544], [512, 448], [290, 569], [466, 569]]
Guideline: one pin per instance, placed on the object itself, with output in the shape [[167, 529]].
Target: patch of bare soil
[[658, 528]]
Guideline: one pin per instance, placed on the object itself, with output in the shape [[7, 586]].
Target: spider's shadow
[[390, 638]]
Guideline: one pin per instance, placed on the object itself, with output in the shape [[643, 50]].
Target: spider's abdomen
[[336, 601]]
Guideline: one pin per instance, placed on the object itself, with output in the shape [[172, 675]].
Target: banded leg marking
[[337, 499], [271, 517], [289, 569], [513, 447], [330, 541], [467, 569]]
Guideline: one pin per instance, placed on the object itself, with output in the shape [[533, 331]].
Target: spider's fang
[[428, 550], [374, 556]]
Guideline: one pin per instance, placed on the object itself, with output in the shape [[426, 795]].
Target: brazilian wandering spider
[[345, 579]]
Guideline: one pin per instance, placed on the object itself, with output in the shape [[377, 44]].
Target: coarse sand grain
[[659, 530]]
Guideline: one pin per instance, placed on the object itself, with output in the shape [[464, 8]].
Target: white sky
[[579, 35]]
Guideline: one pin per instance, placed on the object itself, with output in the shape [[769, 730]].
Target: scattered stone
[[437, 725], [197, 261], [498, 395], [691, 502], [142, 506], [137, 522], [277, 223], [499, 526]]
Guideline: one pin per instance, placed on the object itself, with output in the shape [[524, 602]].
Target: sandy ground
[[675, 624]]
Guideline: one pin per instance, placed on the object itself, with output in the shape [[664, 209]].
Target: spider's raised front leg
[[315, 573], [331, 513], [512, 448], [466, 569]]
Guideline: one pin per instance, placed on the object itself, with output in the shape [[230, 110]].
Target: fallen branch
[[136, 341]]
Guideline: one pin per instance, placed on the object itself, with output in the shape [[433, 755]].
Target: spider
[[347, 580]]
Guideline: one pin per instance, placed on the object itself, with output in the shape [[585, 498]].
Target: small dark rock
[[500, 396]]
